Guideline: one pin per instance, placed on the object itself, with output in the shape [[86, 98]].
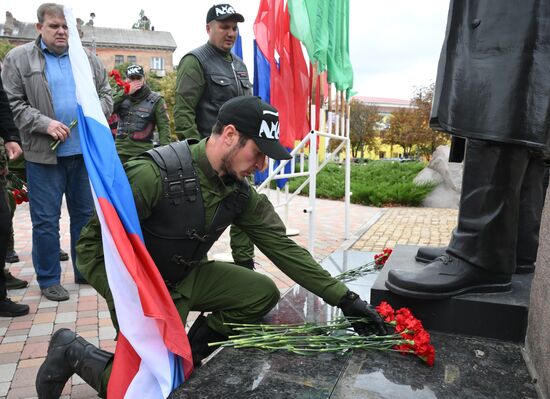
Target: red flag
[[289, 75]]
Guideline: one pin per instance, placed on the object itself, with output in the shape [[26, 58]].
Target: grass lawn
[[376, 183]]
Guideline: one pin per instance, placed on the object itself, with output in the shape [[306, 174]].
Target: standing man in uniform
[[207, 77], [9, 149], [180, 223], [41, 89], [140, 113]]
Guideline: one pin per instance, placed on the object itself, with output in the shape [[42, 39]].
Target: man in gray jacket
[[41, 89]]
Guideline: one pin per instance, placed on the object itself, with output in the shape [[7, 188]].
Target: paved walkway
[[24, 340]]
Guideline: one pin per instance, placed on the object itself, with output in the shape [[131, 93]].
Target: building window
[[132, 59], [157, 63], [382, 154], [119, 59]]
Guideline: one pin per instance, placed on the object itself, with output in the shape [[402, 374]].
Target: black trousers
[[500, 206], [5, 232]]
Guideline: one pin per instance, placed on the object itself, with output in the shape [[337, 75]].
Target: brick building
[[152, 49]]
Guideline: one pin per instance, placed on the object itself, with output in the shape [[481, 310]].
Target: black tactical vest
[[174, 234], [224, 80], [137, 120]]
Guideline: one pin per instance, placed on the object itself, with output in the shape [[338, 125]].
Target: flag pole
[[347, 179]]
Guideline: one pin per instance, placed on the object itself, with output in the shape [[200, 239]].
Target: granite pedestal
[[465, 367], [500, 316]]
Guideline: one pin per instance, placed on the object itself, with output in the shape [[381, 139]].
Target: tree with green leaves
[[166, 86], [363, 125], [5, 46]]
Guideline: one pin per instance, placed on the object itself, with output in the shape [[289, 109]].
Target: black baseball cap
[[135, 70], [256, 119], [221, 12]]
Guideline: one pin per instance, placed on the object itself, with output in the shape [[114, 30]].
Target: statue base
[[500, 316]]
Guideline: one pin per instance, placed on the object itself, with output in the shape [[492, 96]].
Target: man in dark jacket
[[140, 112], [207, 77], [9, 149], [492, 88]]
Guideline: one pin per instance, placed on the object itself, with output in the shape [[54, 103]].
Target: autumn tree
[[364, 120], [410, 127], [426, 138], [401, 130]]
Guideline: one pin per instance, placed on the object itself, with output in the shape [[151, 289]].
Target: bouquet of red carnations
[[17, 188]]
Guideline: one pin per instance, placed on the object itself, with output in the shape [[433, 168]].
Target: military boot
[[199, 336], [69, 354]]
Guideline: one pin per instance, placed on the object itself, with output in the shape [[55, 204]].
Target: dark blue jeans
[[47, 184]]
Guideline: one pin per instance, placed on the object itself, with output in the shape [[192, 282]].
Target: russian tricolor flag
[[152, 355]]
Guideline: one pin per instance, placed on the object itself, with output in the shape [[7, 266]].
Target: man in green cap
[[186, 197]]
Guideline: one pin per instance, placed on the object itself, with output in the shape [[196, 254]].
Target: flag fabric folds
[[289, 82], [323, 27], [152, 355]]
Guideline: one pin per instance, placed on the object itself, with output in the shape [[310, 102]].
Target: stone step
[[500, 316]]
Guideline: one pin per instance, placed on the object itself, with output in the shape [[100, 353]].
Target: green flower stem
[[308, 339], [55, 143]]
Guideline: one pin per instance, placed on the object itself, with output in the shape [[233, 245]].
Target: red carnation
[[386, 311]]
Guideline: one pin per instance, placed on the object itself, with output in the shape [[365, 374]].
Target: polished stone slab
[[499, 316], [465, 367]]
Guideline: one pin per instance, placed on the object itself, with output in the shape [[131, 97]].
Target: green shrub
[[377, 183]]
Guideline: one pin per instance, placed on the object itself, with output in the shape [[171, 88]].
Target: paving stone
[[65, 317], [12, 347], [4, 387], [34, 350], [7, 371], [25, 377], [41, 329], [14, 338], [107, 333]]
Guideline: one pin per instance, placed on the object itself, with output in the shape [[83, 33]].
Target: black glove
[[353, 306]]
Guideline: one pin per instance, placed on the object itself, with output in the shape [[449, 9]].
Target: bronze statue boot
[[69, 354], [446, 277], [429, 254]]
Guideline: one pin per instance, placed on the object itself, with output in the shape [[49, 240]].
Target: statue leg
[[482, 253]]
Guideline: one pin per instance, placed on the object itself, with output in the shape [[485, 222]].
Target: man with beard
[[140, 112], [186, 196]]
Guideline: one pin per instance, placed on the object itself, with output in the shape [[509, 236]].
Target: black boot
[[429, 254], [8, 308], [11, 256], [69, 354], [445, 277], [199, 336]]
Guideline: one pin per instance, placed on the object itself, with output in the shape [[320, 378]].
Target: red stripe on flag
[[154, 296], [125, 367]]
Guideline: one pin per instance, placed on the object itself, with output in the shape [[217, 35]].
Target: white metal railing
[[311, 178]]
